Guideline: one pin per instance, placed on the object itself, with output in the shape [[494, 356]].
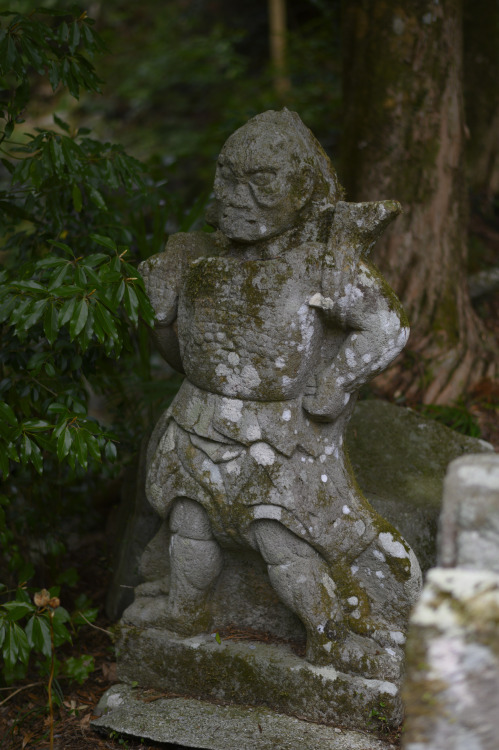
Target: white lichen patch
[[354, 569], [250, 376], [286, 415], [391, 546], [390, 651], [231, 409], [379, 555], [360, 527], [397, 636], [253, 432], [353, 600], [262, 453], [346, 510], [280, 362], [263, 229], [230, 454], [214, 473], [380, 574], [324, 478], [350, 357], [306, 318], [233, 468], [233, 359], [329, 585]]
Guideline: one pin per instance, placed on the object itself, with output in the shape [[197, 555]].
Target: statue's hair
[[328, 189]]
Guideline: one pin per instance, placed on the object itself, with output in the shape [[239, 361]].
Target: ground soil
[[24, 720]]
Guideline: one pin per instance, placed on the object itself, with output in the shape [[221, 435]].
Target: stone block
[[469, 524], [253, 673], [452, 687], [198, 724]]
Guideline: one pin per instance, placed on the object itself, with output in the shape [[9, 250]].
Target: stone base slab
[[199, 724], [253, 673]]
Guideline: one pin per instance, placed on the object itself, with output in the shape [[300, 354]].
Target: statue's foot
[[187, 620], [158, 612], [354, 654]]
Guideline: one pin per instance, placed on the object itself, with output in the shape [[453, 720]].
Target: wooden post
[[277, 26]]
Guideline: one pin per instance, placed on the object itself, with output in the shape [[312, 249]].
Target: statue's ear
[[306, 182]]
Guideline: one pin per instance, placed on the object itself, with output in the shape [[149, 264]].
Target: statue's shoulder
[[191, 245], [182, 248]]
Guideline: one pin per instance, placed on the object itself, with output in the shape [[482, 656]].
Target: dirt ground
[[24, 721]]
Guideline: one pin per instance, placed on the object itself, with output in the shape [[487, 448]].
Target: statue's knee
[[189, 519], [278, 545]]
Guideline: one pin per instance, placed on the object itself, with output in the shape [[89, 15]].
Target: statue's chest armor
[[245, 328]]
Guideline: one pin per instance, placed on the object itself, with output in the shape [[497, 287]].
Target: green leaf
[[131, 303], [7, 413], [81, 448], [66, 311], [64, 442], [74, 36], [110, 451], [96, 198], [15, 646], [77, 200], [104, 241], [38, 634], [63, 125], [79, 668], [35, 313], [78, 319], [50, 323], [16, 610], [59, 278]]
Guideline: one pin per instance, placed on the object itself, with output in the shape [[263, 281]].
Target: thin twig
[[96, 627], [24, 687]]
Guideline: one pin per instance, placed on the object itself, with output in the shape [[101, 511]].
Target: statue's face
[[261, 185]]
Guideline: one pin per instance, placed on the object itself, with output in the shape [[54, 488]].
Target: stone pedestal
[[198, 724], [253, 673]]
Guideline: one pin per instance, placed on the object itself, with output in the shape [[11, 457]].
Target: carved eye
[[262, 179]]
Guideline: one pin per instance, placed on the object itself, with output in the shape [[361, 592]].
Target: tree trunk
[[277, 41], [481, 96], [404, 139]]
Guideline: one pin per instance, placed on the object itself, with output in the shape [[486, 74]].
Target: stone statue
[[277, 319]]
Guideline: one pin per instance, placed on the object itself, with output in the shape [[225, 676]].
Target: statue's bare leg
[[301, 578], [195, 562]]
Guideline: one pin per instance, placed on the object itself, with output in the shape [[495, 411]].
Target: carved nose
[[240, 197]]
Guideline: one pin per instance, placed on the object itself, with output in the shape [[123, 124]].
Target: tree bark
[[277, 42], [481, 96], [404, 139]]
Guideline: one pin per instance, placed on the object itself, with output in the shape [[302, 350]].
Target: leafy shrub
[[76, 215]]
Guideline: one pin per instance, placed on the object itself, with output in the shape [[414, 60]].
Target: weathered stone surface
[[253, 673], [198, 724], [399, 460], [469, 524], [276, 320], [452, 685]]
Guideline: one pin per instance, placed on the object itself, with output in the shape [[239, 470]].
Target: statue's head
[[271, 175]]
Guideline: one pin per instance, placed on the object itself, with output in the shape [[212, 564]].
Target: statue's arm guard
[[376, 331], [163, 277]]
